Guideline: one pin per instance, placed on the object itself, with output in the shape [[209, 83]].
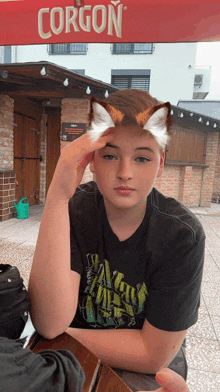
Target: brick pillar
[[209, 172], [76, 110], [43, 163], [7, 174], [216, 186], [7, 194], [185, 185]]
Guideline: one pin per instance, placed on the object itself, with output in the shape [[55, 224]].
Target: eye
[[109, 157], [142, 159]]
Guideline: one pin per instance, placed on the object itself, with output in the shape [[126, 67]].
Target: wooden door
[[27, 157], [53, 142]]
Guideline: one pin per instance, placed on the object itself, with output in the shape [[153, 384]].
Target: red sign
[[56, 21]]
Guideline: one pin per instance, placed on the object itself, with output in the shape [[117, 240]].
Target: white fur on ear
[[157, 126], [101, 121]]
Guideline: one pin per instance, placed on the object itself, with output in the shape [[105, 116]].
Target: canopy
[[62, 21]]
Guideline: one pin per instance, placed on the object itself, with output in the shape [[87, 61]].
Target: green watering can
[[22, 208]]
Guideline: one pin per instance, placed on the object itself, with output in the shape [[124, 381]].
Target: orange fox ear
[[143, 117], [115, 114], [103, 116], [157, 123]]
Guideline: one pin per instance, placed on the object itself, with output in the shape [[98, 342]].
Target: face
[[127, 168]]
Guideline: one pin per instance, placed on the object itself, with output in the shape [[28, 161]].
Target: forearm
[[51, 291], [123, 349]]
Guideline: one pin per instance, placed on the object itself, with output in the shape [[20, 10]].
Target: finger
[[106, 137], [82, 146], [171, 381]]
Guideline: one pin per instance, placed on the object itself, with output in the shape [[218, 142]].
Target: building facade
[[166, 70]]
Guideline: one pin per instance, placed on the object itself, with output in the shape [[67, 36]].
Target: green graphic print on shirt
[[110, 302]]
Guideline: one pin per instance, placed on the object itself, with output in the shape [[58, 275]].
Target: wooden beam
[[44, 92], [17, 79]]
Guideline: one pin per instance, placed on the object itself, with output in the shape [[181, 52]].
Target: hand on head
[[72, 163], [170, 382]]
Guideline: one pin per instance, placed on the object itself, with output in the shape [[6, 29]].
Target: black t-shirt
[[155, 274]]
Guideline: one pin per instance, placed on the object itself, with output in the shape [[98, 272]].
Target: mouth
[[124, 190]]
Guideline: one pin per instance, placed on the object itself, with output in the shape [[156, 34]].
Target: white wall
[[171, 77], [2, 53]]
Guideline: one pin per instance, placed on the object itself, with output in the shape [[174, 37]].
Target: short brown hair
[[132, 101]]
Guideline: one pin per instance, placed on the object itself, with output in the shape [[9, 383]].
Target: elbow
[[49, 334], [46, 330], [154, 366]]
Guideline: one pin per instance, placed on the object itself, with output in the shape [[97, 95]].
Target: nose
[[124, 171]]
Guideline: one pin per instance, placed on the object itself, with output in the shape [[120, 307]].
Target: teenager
[[116, 261], [49, 370]]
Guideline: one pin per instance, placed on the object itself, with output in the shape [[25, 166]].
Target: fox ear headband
[[154, 120]]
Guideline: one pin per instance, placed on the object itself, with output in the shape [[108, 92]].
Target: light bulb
[[43, 71], [66, 82]]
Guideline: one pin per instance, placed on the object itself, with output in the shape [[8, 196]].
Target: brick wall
[[76, 110], [194, 185], [216, 185], [168, 183], [7, 194], [209, 172], [7, 174], [43, 153], [181, 182], [6, 132]]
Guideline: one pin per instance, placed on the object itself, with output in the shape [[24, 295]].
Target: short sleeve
[[76, 259], [174, 290]]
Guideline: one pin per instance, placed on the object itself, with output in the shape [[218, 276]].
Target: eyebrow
[[136, 149]]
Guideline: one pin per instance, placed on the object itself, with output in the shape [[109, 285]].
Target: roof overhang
[[204, 123], [43, 80]]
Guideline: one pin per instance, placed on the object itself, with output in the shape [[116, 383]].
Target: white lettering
[[97, 18], [99, 29], [113, 19], [54, 29], [42, 34], [87, 26], [72, 19]]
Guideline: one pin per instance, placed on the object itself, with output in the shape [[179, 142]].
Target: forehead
[[133, 135]]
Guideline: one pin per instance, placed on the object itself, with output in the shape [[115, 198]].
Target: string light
[[43, 71], [66, 82]]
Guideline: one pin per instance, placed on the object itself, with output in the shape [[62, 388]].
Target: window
[[139, 79], [67, 49], [2, 54], [132, 48], [5, 54]]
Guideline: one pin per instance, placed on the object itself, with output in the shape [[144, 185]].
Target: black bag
[[14, 302]]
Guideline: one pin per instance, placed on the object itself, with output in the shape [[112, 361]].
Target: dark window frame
[[129, 48], [67, 49], [130, 78]]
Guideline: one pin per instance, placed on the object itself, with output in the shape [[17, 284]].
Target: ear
[[158, 122], [92, 165], [101, 120], [161, 167]]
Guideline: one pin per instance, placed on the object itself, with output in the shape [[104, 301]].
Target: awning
[[61, 21], [42, 81]]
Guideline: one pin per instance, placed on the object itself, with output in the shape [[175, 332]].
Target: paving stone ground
[[17, 243]]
